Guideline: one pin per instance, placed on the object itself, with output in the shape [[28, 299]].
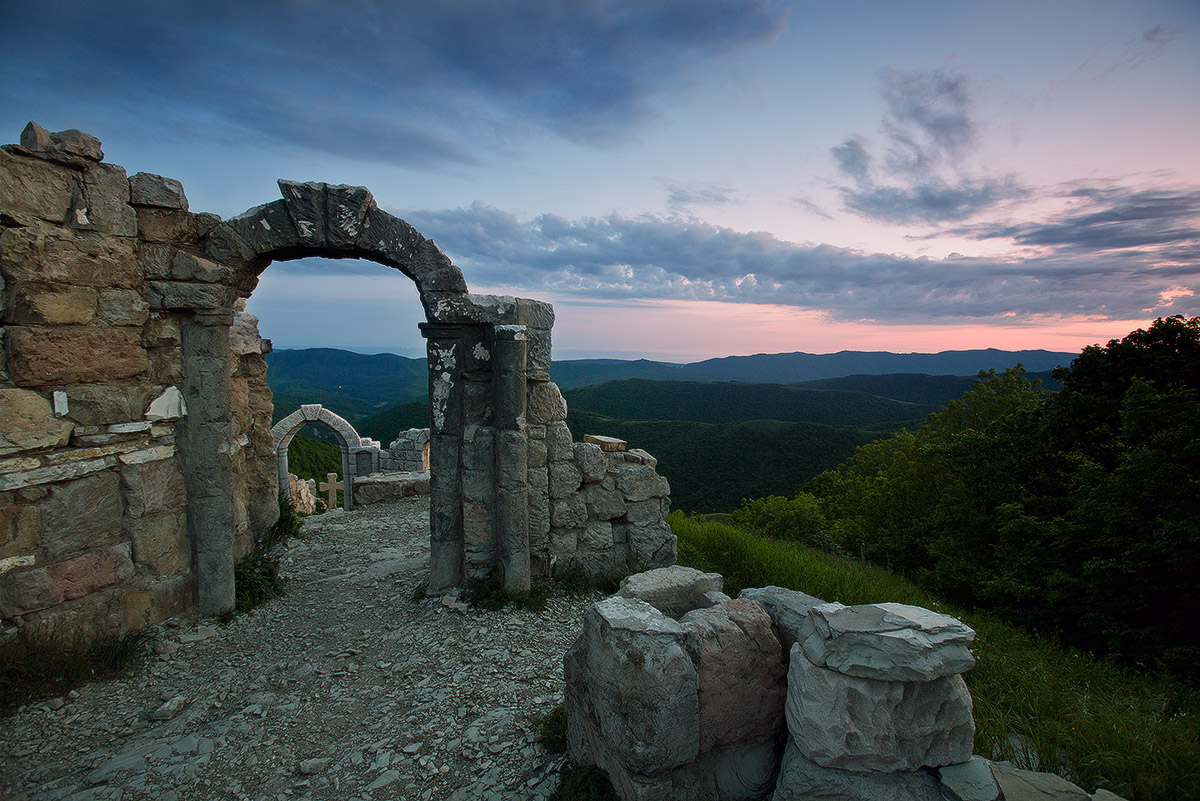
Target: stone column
[[205, 450], [512, 514], [281, 469], [444, 347]]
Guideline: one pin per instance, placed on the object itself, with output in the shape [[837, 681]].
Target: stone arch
[[485, 353], [349, 441]]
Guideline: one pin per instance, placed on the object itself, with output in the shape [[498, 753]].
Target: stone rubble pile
[[303, 494], [677, 691]]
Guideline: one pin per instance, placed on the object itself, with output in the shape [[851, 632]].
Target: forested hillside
[[713, 467], [1076, 513], [727, 402]]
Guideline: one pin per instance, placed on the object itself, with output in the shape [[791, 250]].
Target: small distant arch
[[359, 456]]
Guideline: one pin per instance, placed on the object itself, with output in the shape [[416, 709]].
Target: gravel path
[[344, 688]]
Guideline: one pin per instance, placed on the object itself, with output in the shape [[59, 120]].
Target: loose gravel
[[346, 687]]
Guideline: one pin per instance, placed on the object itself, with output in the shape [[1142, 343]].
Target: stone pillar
[[205, 450], [444, 347], [512, 514], [281, 469]]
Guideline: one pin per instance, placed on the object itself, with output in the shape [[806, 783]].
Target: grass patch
[[551, 729], [1038, 705], [256, 577], [488, 592], [44, 665], [583, 784]]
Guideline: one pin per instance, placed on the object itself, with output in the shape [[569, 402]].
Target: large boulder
[[852, 723], [801, 779], [888, 642], [673, 590], [631, 683], [788, 610], [742, 685]]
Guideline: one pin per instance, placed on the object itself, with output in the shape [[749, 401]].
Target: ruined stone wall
[[93, 527], [680, 693]]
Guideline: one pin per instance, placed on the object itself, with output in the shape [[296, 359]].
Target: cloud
[[406, 83], [921, 177], [1113, 218], [682, 198], [647, 257]]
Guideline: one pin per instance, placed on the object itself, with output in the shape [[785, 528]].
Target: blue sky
[[681, 179]]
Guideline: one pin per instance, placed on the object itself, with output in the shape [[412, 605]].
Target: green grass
[[551, 729], [1037, 705], [43, 664], [488, 592]]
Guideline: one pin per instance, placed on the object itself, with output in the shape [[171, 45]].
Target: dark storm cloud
[[404, 82], [650, 257], [920, 177]]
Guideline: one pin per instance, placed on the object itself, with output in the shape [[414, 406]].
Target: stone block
[[538, 352], [43, 304], [644, 512], [741, 674], [971, 780], [788, 610], [564, 542], [147, 189], [889, 642], [1028, 785], [673, 590], [546, 404], [536, 453], [631, 676], [106, 201], [81, 514], [852, 723], [90, 571], [174, 226], [559, 447], [74, 355], [597, 536], [387, 488], [171, 597], [28, 422], [105, 404], [603, 501], [161, 330], [186, 295], [639, 482], [651, 546], [801, 779], [591, 461], [565, 479], [190, 267], [73, 143], [152, 487], [167, 406], [24, 591], [122, 307], [606, 444], [36, 188], [160, 542], [568, 512], [56, 255]]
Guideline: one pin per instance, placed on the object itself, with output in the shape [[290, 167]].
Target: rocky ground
[[345, 688]]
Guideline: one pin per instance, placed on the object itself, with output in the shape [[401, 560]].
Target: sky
[[681, 179]]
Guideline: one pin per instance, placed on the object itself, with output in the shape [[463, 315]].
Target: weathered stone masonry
[[136, 454]]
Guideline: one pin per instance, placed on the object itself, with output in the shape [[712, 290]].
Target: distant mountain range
[[359, 385], [722, 429]]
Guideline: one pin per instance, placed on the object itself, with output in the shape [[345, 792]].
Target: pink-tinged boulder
[[742, 685], [91, 571], [851, 723]]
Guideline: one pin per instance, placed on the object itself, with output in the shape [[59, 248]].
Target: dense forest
[[1076, 512]]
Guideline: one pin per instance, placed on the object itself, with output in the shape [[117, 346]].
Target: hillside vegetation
[[1074, 513], [727, 402], [714, 467]]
